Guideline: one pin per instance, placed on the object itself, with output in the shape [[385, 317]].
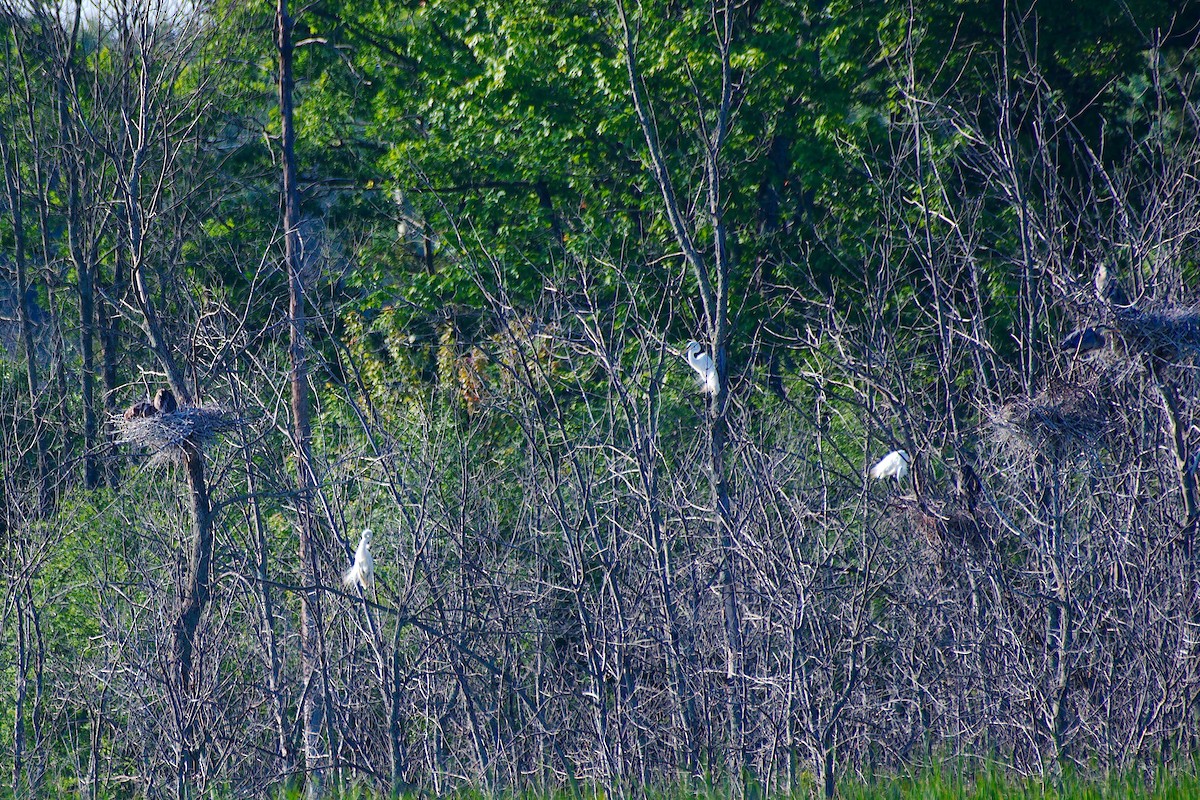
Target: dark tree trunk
[[194, 592], [12, 185], [198, 588], [80, 255], [110, 332], [310, 612]]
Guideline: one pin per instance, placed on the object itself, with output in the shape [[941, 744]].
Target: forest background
[[429, 268]]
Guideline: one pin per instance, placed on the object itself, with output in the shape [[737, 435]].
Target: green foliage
[[498, 305]]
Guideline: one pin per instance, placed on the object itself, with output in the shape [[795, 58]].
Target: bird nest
[[1062, 417], [166, 435], [948, 522], [1169, 333]]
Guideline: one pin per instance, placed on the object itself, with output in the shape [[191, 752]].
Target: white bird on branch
[[363, 569], [705, 368], [1108, 288], [893, 465]]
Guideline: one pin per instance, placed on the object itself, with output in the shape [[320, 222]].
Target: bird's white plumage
[[703, 364], [893, 465], [1102, 281], [363, 569], [1108, 288]]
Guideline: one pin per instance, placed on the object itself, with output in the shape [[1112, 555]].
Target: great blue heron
[[893, 465], [703, 364], [363, 569], [1084, 341]]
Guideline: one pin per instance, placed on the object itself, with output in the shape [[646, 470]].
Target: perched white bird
[[1108, 288], [703, 364], [893, 465], [363, 569]]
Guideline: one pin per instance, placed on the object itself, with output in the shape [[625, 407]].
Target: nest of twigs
[[1168, 333], [1056, 419], [165, 436], [947, 522]]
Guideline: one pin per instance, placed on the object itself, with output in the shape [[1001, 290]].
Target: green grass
[[949, 783], [993, 783], [944, 782]]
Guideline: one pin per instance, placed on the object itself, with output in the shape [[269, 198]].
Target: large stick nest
[[166, 435], [948, 521], [1058, 418], [1169, 333]]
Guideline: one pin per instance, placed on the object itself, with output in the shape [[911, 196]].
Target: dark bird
[[164, 401], [1083, 341], [141, 410], [968, 485]]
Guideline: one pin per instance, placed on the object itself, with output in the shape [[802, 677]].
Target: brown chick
[[164, 401]]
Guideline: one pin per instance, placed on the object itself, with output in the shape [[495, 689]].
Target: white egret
[[893, 465], [1108, 289], [363, 569], [1101, 281], [704, 366]]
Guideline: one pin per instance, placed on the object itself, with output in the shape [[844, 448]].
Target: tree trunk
[[310, 612], [12, 185], [20, 688], [1177, 431], [712, 280], [266, 609], [110, 332], [87, 315], [194, 593]]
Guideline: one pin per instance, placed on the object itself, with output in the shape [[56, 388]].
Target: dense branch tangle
[[587, 569]]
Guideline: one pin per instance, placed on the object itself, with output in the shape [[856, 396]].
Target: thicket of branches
[[586, 568]]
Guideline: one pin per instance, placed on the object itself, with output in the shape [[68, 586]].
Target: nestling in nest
[[164, 427]]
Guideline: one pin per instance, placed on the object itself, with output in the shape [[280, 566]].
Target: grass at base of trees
[[994, 783], [945, 782]]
